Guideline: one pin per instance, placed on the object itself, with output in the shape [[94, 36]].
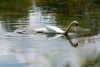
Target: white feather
[[54, 29]]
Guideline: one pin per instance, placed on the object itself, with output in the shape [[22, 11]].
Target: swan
[[56, 30], [47, 29]]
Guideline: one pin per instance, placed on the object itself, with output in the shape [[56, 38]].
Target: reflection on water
[[40, 50]]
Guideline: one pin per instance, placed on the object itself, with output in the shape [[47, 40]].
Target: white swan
[[55, 30], [47, 29]]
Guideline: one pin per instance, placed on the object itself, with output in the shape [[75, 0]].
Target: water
[[42, 50]]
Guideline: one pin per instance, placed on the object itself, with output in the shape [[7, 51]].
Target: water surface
[[43, 50]]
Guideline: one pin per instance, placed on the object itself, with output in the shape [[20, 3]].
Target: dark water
[[41, 50]]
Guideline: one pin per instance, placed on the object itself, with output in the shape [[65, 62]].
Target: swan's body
[[50, 29], [55, 29]]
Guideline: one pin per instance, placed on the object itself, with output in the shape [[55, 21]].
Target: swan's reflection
[[68, 36]]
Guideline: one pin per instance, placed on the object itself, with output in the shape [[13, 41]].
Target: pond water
[[42, 50]]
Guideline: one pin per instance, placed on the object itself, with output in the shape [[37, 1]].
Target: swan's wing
[[54, 29], [43, 30]]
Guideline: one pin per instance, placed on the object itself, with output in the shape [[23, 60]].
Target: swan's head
[[76, 23]]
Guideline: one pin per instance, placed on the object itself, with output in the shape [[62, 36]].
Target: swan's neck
[[68, 28]]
